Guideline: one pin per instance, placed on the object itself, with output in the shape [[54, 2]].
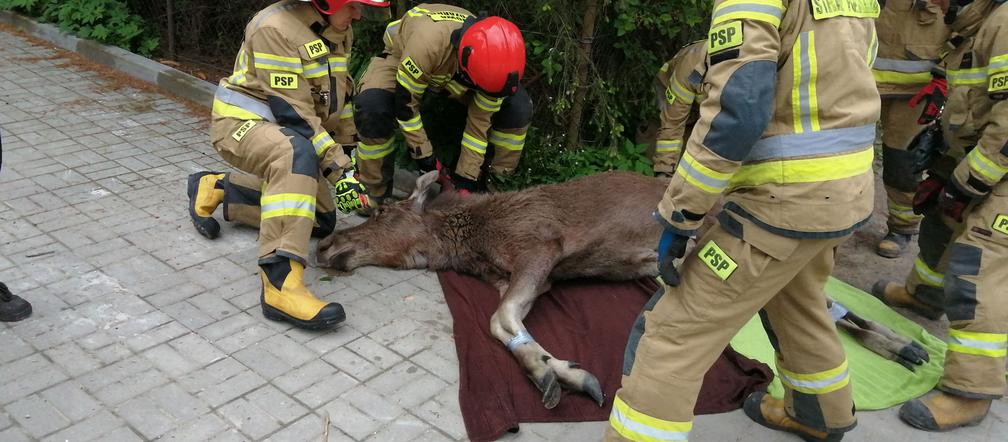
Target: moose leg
[[879, 338], [548, 373]]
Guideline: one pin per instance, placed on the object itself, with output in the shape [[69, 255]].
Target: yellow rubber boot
[[206, 192], [896, 295], [940, 411], [285, 297], [769, 412]]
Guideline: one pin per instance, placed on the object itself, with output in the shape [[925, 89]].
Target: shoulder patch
[[998, 85], [1001, 224], [243, 130], [448, 16], [726, 36], [283, 81], [718, 261], [316, 48], [410, 66]]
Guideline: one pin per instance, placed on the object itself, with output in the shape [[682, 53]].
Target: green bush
[[554, 165], [106, 21]]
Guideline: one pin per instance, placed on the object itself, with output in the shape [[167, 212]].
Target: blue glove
[[671, 246]]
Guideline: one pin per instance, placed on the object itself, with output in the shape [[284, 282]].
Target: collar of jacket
[[970, 17]]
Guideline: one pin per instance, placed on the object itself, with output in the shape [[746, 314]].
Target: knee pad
[[897, 169], [304, 161], [515, 111], [961, 295], [373, 113]]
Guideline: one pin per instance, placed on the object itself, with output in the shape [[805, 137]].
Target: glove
[[927, 194], [350, 194], [953, 202], [671, 246], [935, 93], [463, 185], [428, 164]]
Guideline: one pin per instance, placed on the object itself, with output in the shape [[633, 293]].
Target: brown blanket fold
[[583, 321]]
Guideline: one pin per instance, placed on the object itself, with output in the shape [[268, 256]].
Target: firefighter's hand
[[953, 202], [350, 194], [428, 164], [927, 194], [671, 246], [935, 93], [464, 186]]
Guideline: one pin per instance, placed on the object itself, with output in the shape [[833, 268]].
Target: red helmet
[[329, 7], [492, 55]]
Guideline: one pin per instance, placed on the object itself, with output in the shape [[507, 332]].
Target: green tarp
[[878, 383]]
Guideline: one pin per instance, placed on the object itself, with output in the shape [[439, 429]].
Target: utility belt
[[234, 104]]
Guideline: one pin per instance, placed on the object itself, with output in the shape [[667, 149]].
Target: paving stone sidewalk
[[144, 330]]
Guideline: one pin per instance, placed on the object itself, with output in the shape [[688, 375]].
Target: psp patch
[[717, 260], [316, 49], [726, 36], [410, 66], [997, 87], [1001, 224], [243, 130], [283, 81]]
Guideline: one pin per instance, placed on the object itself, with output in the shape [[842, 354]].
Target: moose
[[521, 241]]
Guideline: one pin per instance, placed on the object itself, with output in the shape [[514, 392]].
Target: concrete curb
[[172, 80]]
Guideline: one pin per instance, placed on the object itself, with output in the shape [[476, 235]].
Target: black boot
[[12, 307]]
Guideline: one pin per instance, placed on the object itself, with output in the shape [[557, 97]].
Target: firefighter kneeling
[[478, 61], [282, 118]]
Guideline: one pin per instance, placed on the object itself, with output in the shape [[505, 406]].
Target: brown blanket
[[583, 321]]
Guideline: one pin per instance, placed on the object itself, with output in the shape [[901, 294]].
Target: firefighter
[[911, 35], [679, 82], [283, 118], [973, 200], [785, 134], [445, 49]]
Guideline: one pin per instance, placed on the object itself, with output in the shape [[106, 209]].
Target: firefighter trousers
[[972, 277], [375, 114], [899, 128], [280, 193], [724, 282]]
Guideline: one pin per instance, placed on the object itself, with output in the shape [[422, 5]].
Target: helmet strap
[[456, 35]]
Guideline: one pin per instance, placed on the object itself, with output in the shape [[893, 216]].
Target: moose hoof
[[592, 388], [549, 385]]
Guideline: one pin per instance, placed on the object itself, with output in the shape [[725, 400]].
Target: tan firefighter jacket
[[292, 70], [681, 79], [787, 126], [911, 39], [422, 42], [975, 119]]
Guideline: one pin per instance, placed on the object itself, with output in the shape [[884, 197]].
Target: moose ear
[[424, 190]]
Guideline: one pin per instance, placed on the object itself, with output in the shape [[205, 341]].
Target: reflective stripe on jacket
[[786, 129], [911, 38]]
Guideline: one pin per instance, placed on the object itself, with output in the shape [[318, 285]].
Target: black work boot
[[12, 307]]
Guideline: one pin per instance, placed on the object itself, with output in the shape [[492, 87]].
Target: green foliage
[[550, 163], [106, 21], [632, 39]]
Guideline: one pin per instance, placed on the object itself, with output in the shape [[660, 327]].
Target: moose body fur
[[599, 226]]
